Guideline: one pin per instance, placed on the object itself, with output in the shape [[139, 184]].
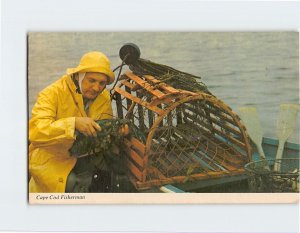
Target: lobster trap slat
[[161, 84], [182, 135], [145, 85], [133, 155], [138, 100]]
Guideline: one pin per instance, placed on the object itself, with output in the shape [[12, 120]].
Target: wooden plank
[[169, 88], [134, 170], [214, 120], [217, 131], [138, 101], [136, 144], [135, 157], [161, 84], [232, 139], [130, 146], [139, 145], [152, 79], [227, 127], [133, 87], [169, 99], [220, 114], [185, 92], [141, 117], [145, 85], [128, 84], [192, 119]]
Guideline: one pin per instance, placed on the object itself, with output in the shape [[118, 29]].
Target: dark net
[[169, 75], [264, 178]]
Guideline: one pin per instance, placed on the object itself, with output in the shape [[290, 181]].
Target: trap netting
[[183, 135], [264, 178]]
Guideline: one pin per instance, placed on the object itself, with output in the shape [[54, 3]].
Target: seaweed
[[108, 146]]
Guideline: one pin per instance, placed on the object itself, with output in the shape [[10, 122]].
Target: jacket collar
[[76, 96]]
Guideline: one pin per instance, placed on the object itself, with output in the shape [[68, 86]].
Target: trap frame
[[183, 135]]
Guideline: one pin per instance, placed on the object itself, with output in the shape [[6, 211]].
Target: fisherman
[[72, 103]]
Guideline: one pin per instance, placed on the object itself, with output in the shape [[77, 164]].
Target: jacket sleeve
[[44, 128]]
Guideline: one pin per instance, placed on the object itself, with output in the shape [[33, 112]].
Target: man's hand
[[87, 126]]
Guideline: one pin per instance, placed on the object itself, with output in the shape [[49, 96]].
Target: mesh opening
[[190, 140]]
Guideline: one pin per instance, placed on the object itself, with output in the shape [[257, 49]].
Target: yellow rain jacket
[[52, 133]]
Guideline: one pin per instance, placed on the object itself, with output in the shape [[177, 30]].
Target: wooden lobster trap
[[182, 135]]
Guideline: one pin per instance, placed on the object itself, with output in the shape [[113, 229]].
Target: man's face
[[93, 84]]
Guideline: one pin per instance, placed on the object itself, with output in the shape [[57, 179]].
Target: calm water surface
[[259, 69]]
